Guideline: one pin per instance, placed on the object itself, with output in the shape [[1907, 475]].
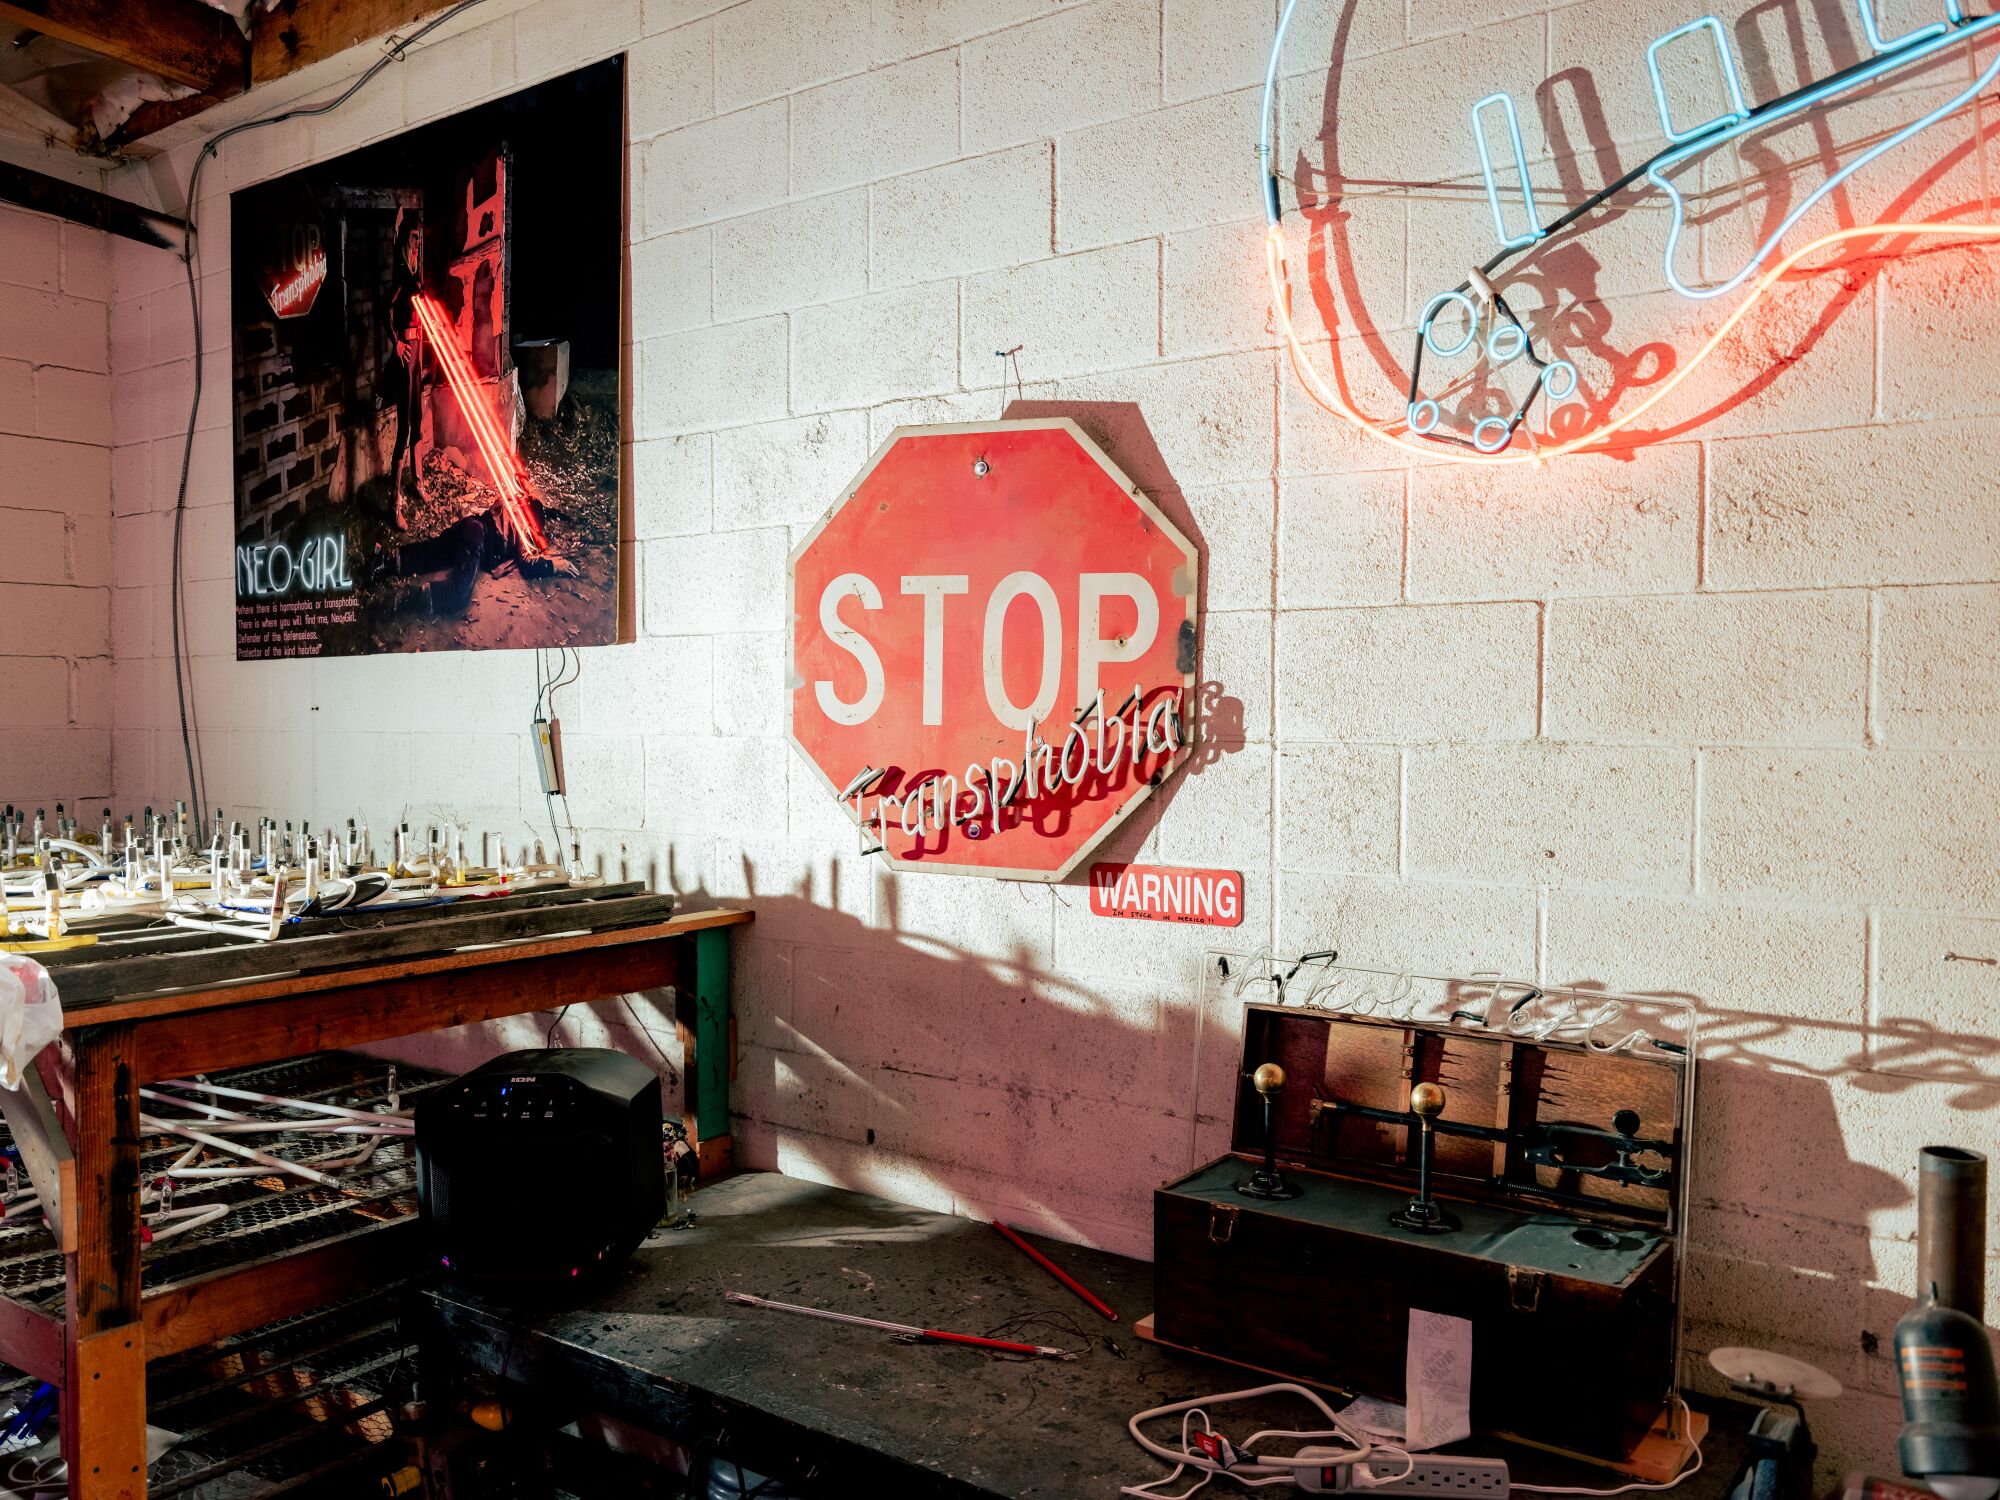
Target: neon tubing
[[1534, 230], [497, 450], [1271, 207], [310, 1106], [276, 1163], [1597, 440], [1734, 116], [464, 386], [1919, 45]]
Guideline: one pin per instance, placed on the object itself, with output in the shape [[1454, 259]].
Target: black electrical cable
[[183, 668]]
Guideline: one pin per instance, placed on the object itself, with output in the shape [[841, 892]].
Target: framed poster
[[427, 398]]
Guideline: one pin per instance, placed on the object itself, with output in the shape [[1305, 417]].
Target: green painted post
[[711, 1032]]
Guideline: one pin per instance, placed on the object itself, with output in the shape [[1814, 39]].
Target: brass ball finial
[[1268, 1079], [1427, 1100]]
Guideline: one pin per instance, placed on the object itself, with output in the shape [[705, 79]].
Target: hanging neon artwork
[[1496, 134]]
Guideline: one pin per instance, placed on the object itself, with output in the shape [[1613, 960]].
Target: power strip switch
[[1319, 1473]]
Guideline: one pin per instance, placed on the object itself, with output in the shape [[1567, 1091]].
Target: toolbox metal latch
[[1222, 1222], [1524, 1288]]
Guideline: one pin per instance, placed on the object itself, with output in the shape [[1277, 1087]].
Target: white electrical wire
[[1665, 1484], [1253, 1472], [1250, 1470], [1152, 1491], [190, 260]]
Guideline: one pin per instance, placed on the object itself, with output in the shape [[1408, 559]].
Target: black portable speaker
[[539, 1170]]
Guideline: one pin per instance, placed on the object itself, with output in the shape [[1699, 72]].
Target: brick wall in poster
[[1717, 719]]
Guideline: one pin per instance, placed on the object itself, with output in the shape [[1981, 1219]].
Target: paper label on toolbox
[[1438, 1378]]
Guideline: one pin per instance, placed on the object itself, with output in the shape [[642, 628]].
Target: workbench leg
[[104, 1387], [712, 1060]]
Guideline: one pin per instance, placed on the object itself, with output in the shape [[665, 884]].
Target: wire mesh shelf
[[269, 1214]]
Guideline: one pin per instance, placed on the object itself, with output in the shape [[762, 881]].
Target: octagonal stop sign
[[993, 648]]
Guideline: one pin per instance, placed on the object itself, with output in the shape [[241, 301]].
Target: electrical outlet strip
[[1477, 1478]]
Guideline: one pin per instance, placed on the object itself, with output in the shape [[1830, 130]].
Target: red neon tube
[[494, 447]]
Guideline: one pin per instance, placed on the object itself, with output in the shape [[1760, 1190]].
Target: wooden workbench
[[845, 1410], [155, 1005]]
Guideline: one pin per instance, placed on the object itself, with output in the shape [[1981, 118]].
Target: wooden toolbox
[[1561, 1163]]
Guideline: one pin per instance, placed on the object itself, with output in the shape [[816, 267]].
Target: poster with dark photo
[[426, 385]]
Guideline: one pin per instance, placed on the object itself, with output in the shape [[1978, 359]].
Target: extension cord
[[1318, 1472]]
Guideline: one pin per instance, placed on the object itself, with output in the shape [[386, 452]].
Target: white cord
[[1152, 1491], [1680, 1478], [1249, 1470]]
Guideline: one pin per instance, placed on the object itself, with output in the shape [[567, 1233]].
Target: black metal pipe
[[81, 205], [1951, 1229]]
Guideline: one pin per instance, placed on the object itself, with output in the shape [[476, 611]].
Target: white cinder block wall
[[1717, 719], [56, 701]]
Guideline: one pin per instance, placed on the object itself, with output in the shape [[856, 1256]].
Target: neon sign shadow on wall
[[1423, 428]]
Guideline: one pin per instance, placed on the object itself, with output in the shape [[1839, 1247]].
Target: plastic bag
[[30, 1015]]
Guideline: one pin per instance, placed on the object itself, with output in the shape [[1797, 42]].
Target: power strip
[[1480, 1478]]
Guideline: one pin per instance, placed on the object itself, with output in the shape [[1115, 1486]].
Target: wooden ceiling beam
[[297, 33], [182, 41], [158, 114]]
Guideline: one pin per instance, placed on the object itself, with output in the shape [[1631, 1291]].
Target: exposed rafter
[[296, 33], [182, 41], [195, 46]]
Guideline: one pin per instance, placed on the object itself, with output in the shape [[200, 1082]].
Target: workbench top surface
[[658, 1345], [144, 971]]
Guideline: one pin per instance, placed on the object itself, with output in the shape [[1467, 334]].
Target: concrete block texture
[[1713, 717], [1415, 672], [1173, 168], [766, 48], [1613, 526], [876, 124], [1547, 812], [717, 167], [1095, 310], [712, 377], [1769, 668], [1110, 52], [974, 215], [1775, 984], [1882, 504], [57, 694], [1938, 666], [873, 348], [1902, 828], [793, 255]]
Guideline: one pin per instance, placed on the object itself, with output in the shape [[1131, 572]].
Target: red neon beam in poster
[[494, 446]]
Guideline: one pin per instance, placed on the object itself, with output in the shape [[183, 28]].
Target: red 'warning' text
[[1161, 893]]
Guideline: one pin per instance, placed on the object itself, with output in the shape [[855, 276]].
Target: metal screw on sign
[[980, 467]]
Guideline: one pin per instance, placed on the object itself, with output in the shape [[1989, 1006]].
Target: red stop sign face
[[993, 648]]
